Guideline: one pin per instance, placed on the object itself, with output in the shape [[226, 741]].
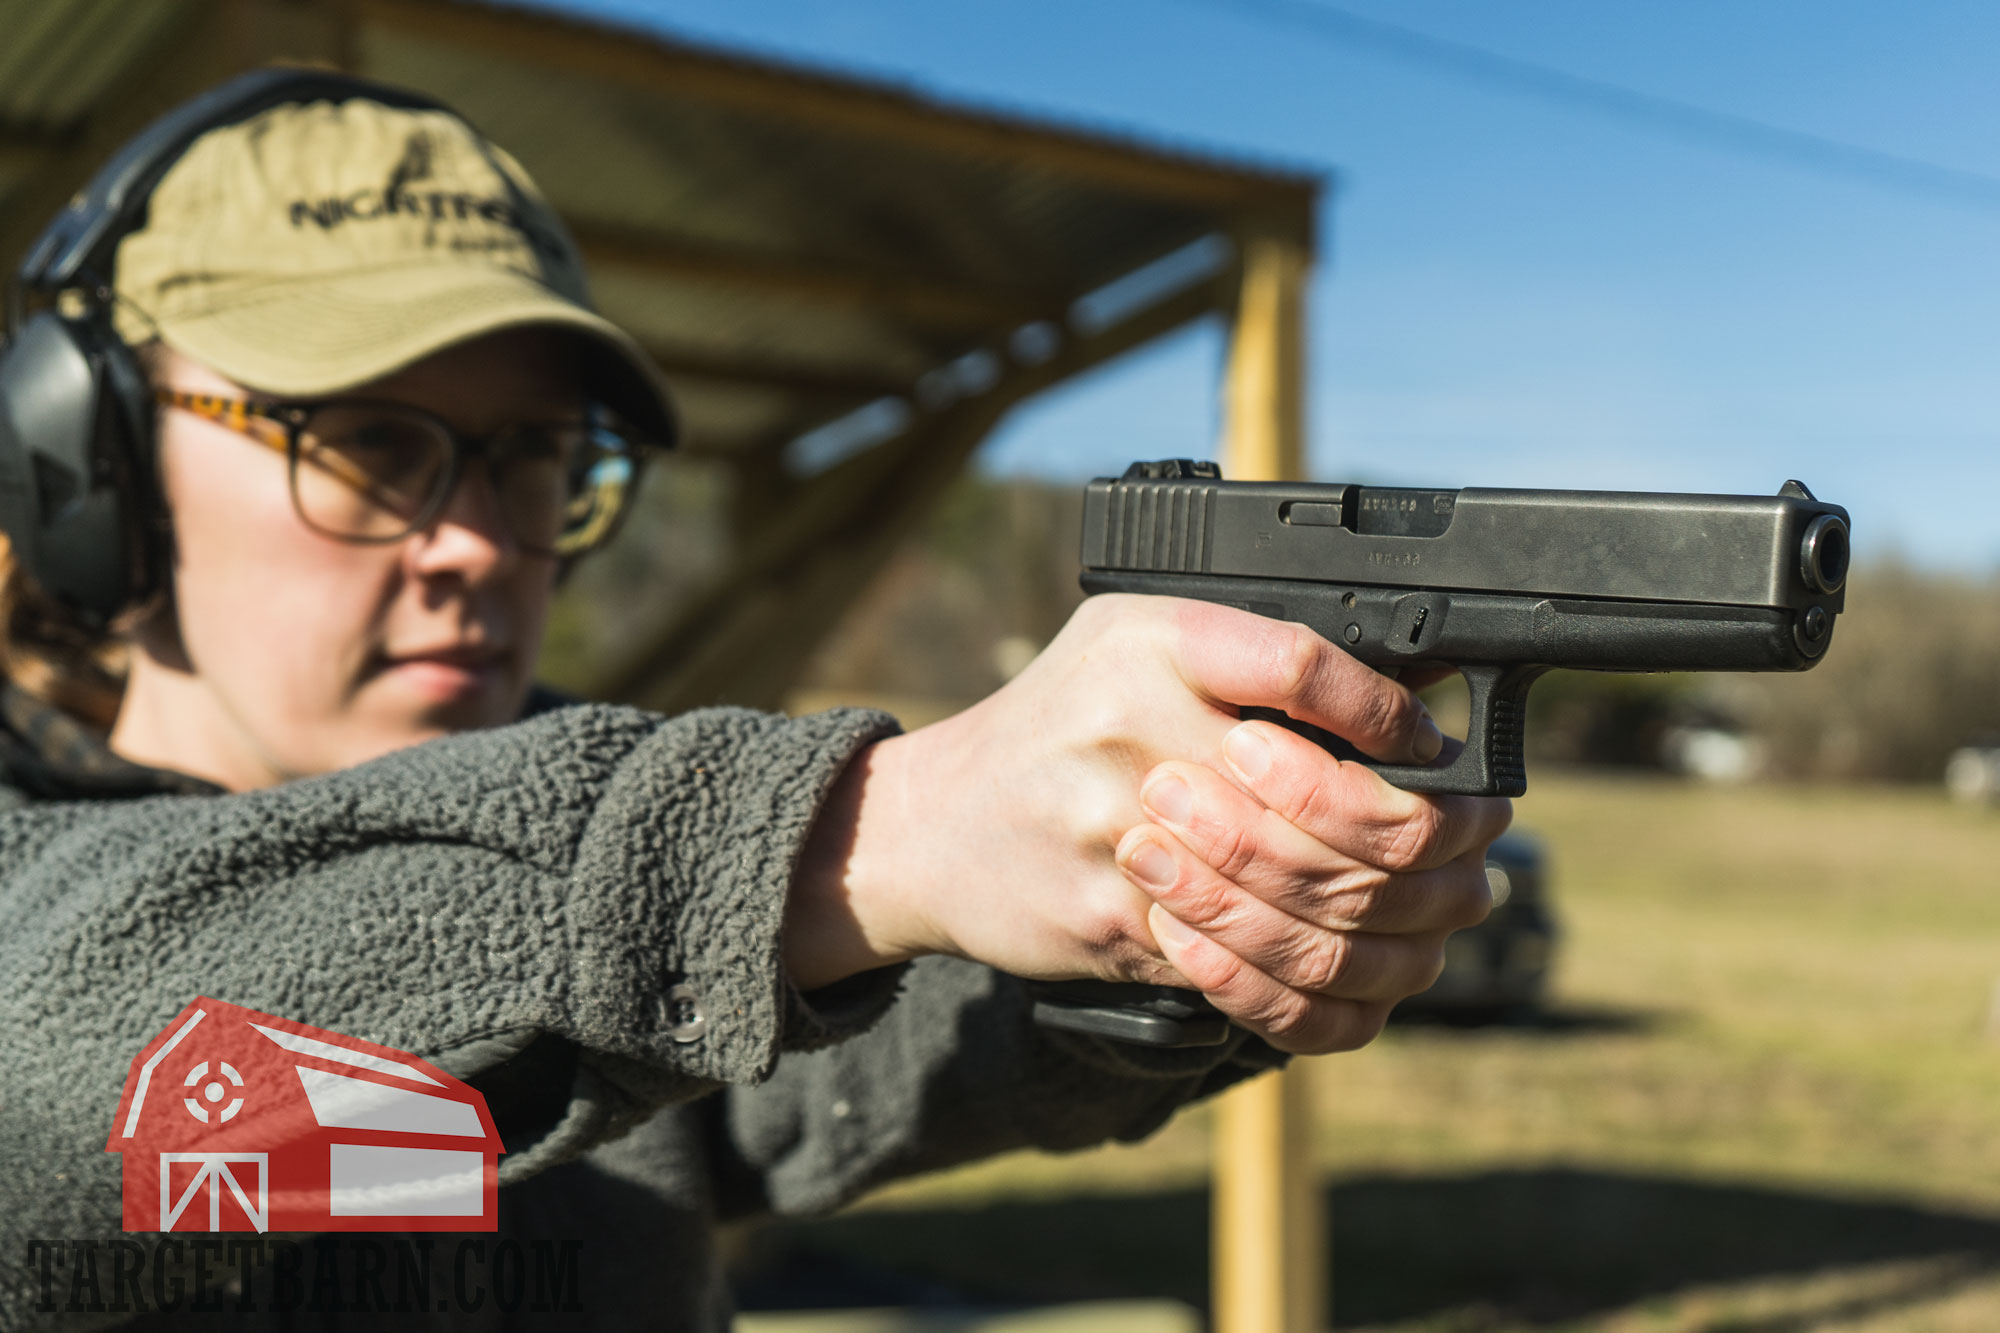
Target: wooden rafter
[[187, 49], [35, 137], [185, 57], [793, 96], [917, 296], [819, 379]]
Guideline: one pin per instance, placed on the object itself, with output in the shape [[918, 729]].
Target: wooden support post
[[1268, 1247], [1263, 433]]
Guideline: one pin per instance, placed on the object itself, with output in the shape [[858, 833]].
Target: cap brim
[[308, 337]]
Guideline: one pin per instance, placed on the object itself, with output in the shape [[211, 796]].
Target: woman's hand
[[1106, 815]]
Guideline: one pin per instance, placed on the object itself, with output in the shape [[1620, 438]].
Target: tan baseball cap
[[315, 247]]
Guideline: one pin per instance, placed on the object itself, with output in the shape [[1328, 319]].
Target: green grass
[[1773, 1102]]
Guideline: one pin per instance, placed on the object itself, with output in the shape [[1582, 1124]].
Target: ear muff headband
[[77, 497]]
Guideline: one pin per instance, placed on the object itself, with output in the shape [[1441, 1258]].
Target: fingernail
[[1429, 740], [1169, 928], [1248, 753], [1152, 864], [1170, 799]]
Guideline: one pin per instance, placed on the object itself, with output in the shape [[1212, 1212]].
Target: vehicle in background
[[1499, 969], [1972, 774], [1712, 752]]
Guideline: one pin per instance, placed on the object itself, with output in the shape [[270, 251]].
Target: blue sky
[[1515, 292]]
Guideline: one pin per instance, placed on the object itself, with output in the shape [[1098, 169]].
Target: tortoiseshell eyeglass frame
[[280, 427]]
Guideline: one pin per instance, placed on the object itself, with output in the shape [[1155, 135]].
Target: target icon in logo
[[212, 1092]]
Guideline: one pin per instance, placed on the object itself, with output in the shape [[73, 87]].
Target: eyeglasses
[[369, 471]]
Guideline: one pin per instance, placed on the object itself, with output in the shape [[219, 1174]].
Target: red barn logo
[[234, 1120]]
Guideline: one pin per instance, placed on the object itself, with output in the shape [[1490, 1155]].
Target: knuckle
[[1364, 903], [1232, 849], [1211, 969], [1402, 849], [1386, 709], [1098, 819], [1205, 906], [1304, 890], [1107, 717], [1323, 961], [1294, 660], [1112, 743], [1412, 840], [1306, 799], [1288, 1017]]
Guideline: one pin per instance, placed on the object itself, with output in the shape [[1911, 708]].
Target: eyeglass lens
[[373, 472]]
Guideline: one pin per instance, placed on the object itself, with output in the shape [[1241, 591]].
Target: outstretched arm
[[547, 883]]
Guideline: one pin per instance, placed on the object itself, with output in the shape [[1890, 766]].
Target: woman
[[701, 967]]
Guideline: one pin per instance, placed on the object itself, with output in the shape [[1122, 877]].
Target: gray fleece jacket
[[579, 914]]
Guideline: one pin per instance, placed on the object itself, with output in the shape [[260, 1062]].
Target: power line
[[1684, 120]]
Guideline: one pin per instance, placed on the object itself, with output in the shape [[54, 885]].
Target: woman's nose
[[471, 533]]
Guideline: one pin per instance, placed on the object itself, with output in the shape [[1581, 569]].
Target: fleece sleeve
[[599, 886], [956, 1071]]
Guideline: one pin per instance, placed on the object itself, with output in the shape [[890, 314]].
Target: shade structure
[[848, 283]]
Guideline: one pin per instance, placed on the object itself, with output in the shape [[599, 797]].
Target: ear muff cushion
[[59, 499]]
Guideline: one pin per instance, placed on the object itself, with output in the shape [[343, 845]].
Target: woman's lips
[[445, 676]]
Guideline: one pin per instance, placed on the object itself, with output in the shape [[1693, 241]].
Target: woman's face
[[298, 653]]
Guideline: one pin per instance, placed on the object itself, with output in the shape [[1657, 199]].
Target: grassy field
[[1766, 1098]]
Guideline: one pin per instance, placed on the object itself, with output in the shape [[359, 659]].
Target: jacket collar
[[49, 755]]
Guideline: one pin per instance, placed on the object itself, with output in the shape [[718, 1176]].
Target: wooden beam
[[192, 46], [187, 55], [656, 64], [827, 380], [71, 48], [1269, 1246], [35, 138], [930, 300], [745, 639], [319, 32]]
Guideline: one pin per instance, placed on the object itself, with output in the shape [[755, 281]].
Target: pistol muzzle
[[1823, 554]]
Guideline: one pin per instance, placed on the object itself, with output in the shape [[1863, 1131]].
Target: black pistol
[[1504, 585]]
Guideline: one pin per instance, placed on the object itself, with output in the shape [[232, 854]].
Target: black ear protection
[[78, 500]]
